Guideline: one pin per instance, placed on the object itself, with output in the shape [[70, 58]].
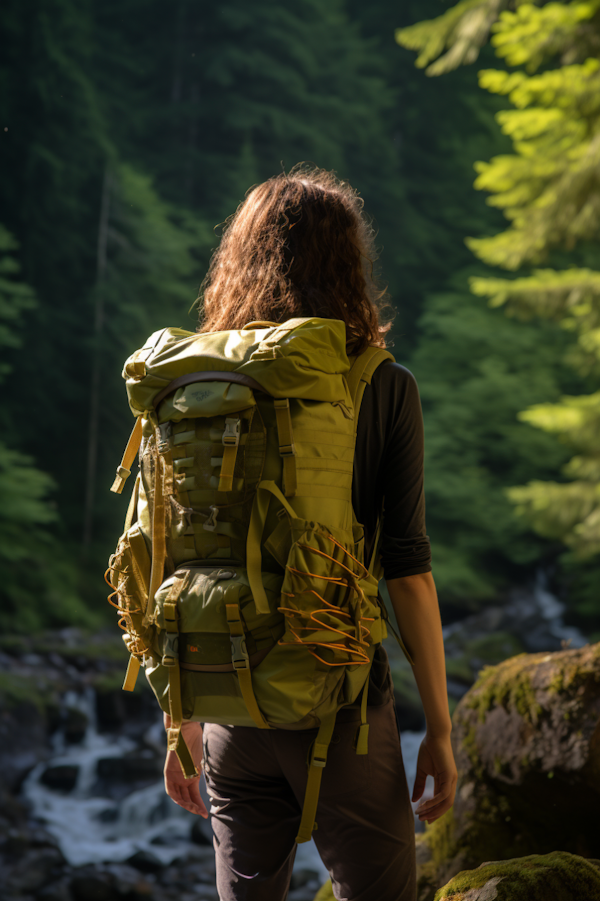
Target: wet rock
[[121, 775], [559, 876], [56, 891], [91, 884], [146, 862], [23, 742], [130, 883], [75, 724], [62, 777], [35, 869], [526, 741], [129, 713]]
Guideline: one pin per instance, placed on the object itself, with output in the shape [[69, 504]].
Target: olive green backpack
[[240, 576]]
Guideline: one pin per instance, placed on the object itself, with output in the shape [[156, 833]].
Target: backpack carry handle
[[237, 378], [260, 323]]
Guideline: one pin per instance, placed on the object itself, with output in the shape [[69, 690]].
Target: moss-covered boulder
[[559, 876], [526, 740]]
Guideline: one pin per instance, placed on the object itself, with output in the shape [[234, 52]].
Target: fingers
[[187, 795], [196, 798], [442, 790], [435, 813], [419, 787]]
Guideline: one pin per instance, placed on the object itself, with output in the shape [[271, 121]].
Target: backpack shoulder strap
[[361, 373]]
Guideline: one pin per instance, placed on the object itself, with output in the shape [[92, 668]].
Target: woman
[[300, 245]]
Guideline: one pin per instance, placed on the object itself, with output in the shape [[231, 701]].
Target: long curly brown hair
[[298, 245]]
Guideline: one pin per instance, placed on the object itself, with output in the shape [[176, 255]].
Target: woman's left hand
[[186, 792]]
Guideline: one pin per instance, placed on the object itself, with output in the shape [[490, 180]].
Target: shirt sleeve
[[389, 471]]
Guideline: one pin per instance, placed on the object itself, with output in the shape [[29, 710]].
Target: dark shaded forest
[[130, 131]]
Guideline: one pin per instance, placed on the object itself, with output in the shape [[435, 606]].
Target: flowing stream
[[92, 825], [93, 828]]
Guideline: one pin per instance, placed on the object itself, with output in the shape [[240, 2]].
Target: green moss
[[469, 744], [15, 691], [325, 893], [506, 685], [439, 838], [570, 673], [537, 877]]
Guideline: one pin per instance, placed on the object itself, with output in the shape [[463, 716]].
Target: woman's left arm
[[185, 792]]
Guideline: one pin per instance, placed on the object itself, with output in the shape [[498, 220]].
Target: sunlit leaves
[[454, 38], [528, 36]]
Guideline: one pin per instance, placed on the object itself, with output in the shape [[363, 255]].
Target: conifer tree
[[549, 191], [37, 585]]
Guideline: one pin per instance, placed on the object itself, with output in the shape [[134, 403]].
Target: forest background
[[129, 132]]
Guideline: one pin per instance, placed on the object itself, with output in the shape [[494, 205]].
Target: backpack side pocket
[[128, 574]]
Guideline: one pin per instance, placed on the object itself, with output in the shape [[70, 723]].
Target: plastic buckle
[[287, 450], [166, 430], [239, 653], [318, 761], [231, 435], [171, 651], [211, 523]]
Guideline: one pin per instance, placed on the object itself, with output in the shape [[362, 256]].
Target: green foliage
[[15, 297], [529, 36], [548, 190], [476, 370], [36, 582], [571, 511], [461, 32]]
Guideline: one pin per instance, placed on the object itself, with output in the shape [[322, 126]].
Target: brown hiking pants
[[366, 838]]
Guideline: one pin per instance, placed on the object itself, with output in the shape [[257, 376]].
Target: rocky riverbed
[[84, 813], [84, 816]]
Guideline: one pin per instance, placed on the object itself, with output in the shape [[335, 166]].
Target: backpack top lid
[[303, 358]]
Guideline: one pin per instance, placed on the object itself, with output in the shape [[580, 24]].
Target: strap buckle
[[239, 652], [211, 523], [231, 435], [287, 450], [171, 650], [166, 431]]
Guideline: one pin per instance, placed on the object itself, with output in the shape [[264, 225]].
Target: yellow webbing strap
[[227, 467], [362, 736], [287, 449], [132, 508], [159, 544], [231, 441], [175, 741], [133, 668], [253, 542], [241, 664], [318, 759], [361, 374], [133, 445]]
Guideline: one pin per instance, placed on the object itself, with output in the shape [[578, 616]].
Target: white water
[[93, 829]]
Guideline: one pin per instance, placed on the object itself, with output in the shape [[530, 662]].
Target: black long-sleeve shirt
[[388, 467], [388, 473]]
